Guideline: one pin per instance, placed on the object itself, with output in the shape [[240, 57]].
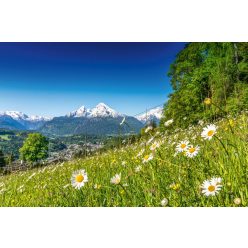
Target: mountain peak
[[153, 114], [81, 112], [101, 104], [100, 110], [103, 110]]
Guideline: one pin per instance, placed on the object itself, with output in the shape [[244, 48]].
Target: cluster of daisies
[[209, 187], [187, 149], [190, 150]]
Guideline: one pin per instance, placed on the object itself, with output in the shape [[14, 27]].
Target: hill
[[93, 126], [152, 172]]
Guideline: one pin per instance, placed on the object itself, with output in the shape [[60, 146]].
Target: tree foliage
[[35, 148], [218, 71], [2, 160]]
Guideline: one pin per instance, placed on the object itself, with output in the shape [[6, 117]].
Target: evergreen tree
[[2, 160]]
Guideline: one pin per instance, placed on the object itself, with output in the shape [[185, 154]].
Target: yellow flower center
[[183, 146], [211, 188], [207, 101], [191, 150], [79, 178], [146, 157], [210, 133]]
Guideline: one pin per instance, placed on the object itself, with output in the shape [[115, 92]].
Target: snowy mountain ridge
[[100, 110], [153, 114], [17, 115]]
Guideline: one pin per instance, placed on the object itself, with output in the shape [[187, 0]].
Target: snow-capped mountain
[[153, 114], [25, 122], [81, 112], [100, 110], [17, 115], [100, 120]]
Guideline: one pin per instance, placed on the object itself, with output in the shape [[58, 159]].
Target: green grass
[[175, 177]]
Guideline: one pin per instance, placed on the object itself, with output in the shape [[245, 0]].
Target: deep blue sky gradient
[[53, 79]]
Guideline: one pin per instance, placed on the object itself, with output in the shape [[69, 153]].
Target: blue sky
[[53, 79]]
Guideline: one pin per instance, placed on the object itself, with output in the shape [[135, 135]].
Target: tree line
[[217, 71]]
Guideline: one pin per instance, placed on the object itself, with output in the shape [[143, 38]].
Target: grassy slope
[[50, 186]]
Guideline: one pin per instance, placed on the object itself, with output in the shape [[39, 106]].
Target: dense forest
[[215, 71]]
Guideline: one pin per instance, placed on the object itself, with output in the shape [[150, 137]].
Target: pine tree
[[2, 160]]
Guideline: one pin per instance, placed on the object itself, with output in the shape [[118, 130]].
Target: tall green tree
[[35, 148], [2, 160], [202, 70]]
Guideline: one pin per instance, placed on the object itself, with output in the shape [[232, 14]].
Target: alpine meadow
[[191, 151]]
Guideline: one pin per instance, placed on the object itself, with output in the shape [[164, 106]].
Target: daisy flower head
[[123, 163], [147, 158], [154, 146], [138, 168], [150, 140], [216, 180], [164, 202], [116, 179], [208, 132], [168, 123], [182, 146], [237, 201], [79, 178], [192, 151], [211, 187], [149, 128]]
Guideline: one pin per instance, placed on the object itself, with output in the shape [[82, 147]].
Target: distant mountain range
[[21, 121], [100, 120], [154, 114]]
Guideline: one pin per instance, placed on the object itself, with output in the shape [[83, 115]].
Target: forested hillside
[[216, 71]]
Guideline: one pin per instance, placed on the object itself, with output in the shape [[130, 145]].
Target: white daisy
[[192, 151], [124, 163], [149, 128], [141, 152], [116, 179], [154, 146], [216, 180], [182, 146], [138, 168], [208, 132], [21, 188], [150, 140], [164, 202], [147, 158], [168, 123], [79, 178], [211, 187], [237, 201]]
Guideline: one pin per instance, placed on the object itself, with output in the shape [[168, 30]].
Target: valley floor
[[157, 171]]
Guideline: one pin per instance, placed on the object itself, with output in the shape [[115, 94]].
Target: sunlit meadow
[[205, 165]]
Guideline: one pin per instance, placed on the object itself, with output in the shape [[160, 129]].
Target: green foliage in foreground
[[35, 148], [175, 177]]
